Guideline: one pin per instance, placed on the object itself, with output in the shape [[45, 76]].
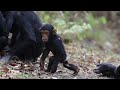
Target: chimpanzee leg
[[3, 42], [51, 60], [71, 67], [54, 66], [18, 50], [23, 48]]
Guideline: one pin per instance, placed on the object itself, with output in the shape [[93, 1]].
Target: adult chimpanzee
[[54, 44], [3, 34], [26, 42], [107, 69]]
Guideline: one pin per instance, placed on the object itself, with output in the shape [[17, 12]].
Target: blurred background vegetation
[[89, 37], [92, 29]]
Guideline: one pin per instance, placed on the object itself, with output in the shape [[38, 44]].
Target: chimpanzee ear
[[54, 31]]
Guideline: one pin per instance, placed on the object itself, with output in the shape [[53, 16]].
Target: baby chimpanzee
[[108, 70], [54, 44]]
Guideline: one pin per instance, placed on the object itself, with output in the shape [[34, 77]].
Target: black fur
[[3, 33], [55, 45], [26, 41], [107, 69]]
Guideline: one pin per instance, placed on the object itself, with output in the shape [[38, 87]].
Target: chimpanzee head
[[118, 72], [47, 31]]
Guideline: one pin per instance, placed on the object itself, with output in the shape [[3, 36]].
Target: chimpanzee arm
[[3, 33], [59, 51], [45, 54], [2, 23], [9, 21], [43, 57]]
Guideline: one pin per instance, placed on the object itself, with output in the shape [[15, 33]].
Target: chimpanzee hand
[[42, 65], [2, 52]]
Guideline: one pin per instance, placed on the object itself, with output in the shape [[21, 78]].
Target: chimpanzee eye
[[41, 31], [46, 32]]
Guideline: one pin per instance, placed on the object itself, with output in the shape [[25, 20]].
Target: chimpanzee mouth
[[44, 40]]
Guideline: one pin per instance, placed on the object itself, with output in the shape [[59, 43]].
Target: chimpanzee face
[[45, 35], [118, 72]]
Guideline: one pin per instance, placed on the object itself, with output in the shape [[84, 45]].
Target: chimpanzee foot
[[52, 71], [33, 60], [76, 71], [5, 59], [2, 53], [47, 70]]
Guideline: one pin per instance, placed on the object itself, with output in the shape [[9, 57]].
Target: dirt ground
[[80, 56]]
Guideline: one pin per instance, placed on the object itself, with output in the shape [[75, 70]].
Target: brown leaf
[[5, 69], [22, 66], [13, 64], [31, 69]]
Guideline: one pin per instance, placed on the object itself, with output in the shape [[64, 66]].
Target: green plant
[[23, 76], [78, 28]]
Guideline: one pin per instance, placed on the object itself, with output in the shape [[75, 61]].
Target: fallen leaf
[[31, 69], [5, 69], [13, 64]]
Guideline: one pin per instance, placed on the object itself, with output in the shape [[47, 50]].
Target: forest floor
[[78, 54]]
